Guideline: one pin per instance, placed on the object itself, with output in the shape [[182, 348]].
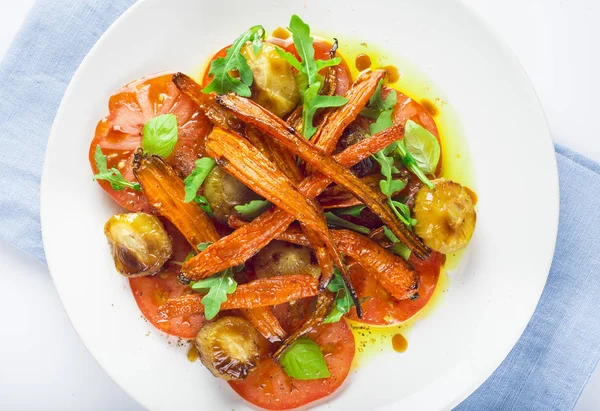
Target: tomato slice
[[120, 133], [151, 292], [268, 386], [381, 308], [322, 47]]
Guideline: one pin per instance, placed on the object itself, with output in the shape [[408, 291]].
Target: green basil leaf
[[303, 360], [203, 246], [220, 68], [399, 148], [336, 221], [193, 182], [253, 209], [218, 286], [354, 211], [423, 146], [113, 176], [160, 135]]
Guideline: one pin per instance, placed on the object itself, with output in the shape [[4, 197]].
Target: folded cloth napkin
[[548, 367]]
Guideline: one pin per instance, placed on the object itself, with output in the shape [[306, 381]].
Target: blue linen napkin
[[548, 367]]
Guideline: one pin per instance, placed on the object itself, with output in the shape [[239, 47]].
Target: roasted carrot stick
[[246, 241], [286, 162], [393, 272], [242, 160], [262, 292], [322, 309], [337, 120], [255, 115], [263, 319], [206, 102], [336, 196], [166, 193]]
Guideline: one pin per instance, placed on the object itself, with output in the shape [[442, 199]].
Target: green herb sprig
[[113, 176], [160, 135], [220, 69], [218, 286], [343, 300], [304, 360], [253, 209], [309, 80]]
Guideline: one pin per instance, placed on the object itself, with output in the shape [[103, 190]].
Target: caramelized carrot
[[286, 162], [322, 309], [337, 120], [263, 319], [255, 115], [394, 273], [165, 191], [262, 292], [337, 197], [246, 241]]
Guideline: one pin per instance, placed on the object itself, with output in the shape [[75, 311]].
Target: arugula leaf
[[383, 121], [336, 221], [312, 102], [308, 78], [399, 248], [354, 211], [203, 246], [193, 182], [220, 68], [343, 301], [377, 104], [204, 204], [253, 209], [218, 286], [160, 135], [113, 176], [422, 145], [303, 360]]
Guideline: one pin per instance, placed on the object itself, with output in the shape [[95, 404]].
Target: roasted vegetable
[[263, 319], [246, 241], [138, 242], [257, 116], [223, 192], [281, 258], [445, 216], [352, 135], [229, 347], [262, 292], [274, 85], [166, 192]]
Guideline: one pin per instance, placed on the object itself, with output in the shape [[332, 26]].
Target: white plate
[[490, 300]]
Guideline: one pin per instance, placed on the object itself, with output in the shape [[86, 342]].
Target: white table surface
[[44, 365]]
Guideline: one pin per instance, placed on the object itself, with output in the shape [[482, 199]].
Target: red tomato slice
[[321, 52], [151, 292], [383, 309], [120, 133], [268, 386]]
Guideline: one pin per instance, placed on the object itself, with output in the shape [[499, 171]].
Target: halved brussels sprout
[[281, 258], [445, 216], [228, 347], [138, 242], [274, 85], [223, 192]]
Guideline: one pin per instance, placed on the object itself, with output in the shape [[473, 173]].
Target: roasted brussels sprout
[[138, 242], [281, 258], [228, 347], [274, 85], [445, 216], [353, 134], [223, 192]]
